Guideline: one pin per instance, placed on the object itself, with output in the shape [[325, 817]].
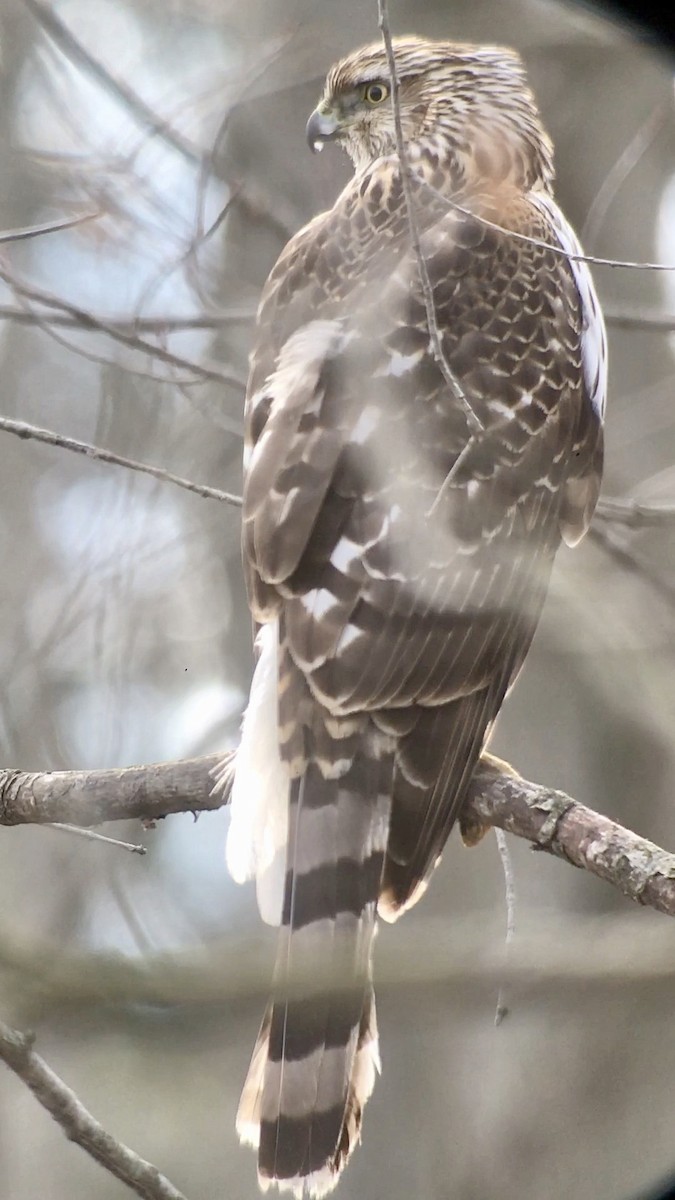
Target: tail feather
[[316, 1057], [367, 1066], [249, 1111], [310, 820], [338, 1128]]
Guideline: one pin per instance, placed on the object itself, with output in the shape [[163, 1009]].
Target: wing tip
[[397, 897]]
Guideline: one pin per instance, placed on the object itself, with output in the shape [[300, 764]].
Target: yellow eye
[[375, 93]]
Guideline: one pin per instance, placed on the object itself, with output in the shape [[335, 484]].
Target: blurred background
[[124, 635]]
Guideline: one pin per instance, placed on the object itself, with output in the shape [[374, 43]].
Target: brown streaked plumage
[[397, 589]]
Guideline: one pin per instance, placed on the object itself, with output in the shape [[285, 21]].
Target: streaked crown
[[470, 103]]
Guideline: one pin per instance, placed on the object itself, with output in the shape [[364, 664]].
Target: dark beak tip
[[313, 134], [320, 129]]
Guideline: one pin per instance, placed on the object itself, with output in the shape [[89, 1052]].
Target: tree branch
[[92, 797], [551, 820], [34, 231], [16, 1050], [554, 822], [642, 319], [50, 438], [626, 513], [32, 295], [632, 514], [98, 324]]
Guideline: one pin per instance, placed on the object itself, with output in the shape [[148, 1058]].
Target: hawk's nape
[[396, 563]]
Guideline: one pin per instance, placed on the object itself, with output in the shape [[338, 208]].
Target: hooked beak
[[322, 127]]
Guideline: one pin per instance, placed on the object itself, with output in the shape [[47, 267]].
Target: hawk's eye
[[375, 93]]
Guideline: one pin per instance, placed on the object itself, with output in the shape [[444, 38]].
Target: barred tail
[[315, 1060]]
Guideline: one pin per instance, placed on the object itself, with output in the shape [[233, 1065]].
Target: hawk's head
[[469, 102]]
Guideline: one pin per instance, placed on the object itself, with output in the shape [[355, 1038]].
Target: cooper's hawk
[[396, 558]]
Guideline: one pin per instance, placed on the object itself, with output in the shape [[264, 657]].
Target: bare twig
[[629, 319], [383, 23], [550, 246], [91, 836], [16, 1050], [34, 231], [632, 514], [51, 438], [159, 325], [87, 320], [475, 425], [550, 820], [510, 895]]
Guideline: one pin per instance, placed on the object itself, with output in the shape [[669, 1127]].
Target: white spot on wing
[[399, 364], [349, 635], [525, 400], [318, 602], [345, 553], [289, 501], [502, 410], [545, 482], [366, 424], [334, 768]]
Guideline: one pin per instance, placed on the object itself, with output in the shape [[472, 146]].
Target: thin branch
[[159, 325], [551, 820], [409, 176], [475, 425], [526, 237], [510, 896], [630, 319], [632, 514], [51, 438], [87, 320], [16, 1050], [90, 835], [34, 231]]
